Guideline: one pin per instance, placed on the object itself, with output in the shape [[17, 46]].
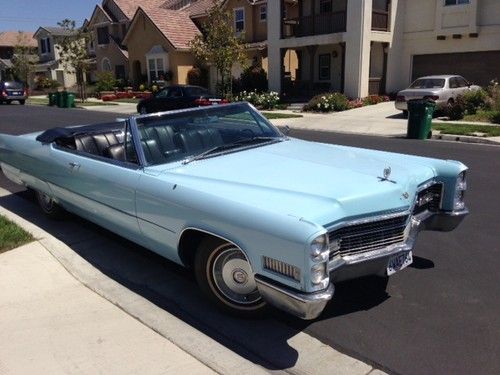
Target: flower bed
[[337, 102], [265, 100]]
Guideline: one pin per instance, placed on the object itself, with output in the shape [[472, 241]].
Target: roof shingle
[[13, 38]]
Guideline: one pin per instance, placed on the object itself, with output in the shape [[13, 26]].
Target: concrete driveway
[[381, 119]]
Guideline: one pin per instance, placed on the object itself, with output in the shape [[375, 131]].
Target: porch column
[[357, 54], [311, 51], [274, 27]]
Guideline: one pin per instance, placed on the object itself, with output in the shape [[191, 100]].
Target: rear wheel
[[225, 276], [48, 206], [8, 101], [22, 102]]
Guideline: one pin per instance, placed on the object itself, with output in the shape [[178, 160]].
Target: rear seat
[[97, 143]]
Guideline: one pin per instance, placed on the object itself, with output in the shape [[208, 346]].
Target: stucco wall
[[488, 13], [143, 37]]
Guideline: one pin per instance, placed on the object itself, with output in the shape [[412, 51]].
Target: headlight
[[319, 248], [460, 187], [318, 273]]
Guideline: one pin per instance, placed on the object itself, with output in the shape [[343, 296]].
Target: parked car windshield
[[428, 83], [204, 132], [13, 85], [196, 91]]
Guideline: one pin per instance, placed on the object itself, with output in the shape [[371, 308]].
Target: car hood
[[317, 182]]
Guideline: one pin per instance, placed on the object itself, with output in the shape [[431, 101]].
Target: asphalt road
[[441, 315]]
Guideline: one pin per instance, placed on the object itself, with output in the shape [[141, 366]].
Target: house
[[107, 27], [158, 37], [49, 65], [363, 47], [8, 42]]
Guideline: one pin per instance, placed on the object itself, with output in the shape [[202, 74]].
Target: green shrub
[[493, 101], [330, 102], [105, 82], [46, 83], [253, 78], [456, 110], [197, 77], [474, 100], [495, 117]]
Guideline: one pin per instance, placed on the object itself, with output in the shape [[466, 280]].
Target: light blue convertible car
[[262, 218]]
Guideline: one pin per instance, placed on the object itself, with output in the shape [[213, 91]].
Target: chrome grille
[[364, 237], [429, 199]]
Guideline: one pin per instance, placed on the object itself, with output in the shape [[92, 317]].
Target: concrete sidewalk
[[53, 324]]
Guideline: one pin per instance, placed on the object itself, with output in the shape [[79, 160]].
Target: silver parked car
[[441, 89]]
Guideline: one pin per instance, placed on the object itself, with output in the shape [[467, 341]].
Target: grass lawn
[[481, 115], [467, 129], [273, 116], [11, 235]]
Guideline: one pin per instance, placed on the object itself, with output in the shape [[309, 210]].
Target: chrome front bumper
[[310, 305], [303, 305]]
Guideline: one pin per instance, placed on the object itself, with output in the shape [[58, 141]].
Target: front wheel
[[48, 206], [225, 276]]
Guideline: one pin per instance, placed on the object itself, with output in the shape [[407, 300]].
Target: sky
[[28, 15]]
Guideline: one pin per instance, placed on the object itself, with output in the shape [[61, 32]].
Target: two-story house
[[374, 46], [107, 27], [49, 65], [8, 42]]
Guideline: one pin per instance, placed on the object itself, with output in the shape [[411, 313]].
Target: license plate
[[16, 93], [398, 262]]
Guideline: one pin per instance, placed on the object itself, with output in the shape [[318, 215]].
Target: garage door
[[478, 67]]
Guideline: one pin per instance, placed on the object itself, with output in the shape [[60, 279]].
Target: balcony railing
[[380, 20], [317, 24]]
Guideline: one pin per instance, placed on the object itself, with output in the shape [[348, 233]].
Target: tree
[[218, 45], [72, 48], [23, 59]]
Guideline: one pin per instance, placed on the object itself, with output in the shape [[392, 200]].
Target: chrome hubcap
[[233, 277]]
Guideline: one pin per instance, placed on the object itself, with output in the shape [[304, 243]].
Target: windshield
[[204, 132], [428, 83]]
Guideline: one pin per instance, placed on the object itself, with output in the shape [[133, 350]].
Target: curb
[[464, 139], [314, 356]]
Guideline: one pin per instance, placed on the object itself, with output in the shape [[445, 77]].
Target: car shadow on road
[[173, 288]]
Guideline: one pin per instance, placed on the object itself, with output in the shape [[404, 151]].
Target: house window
[[156, 69], [239, 19], [324, 67], [263, 13], [106, 65], [102, 35], [45, 45], [456, 2], [325, 6]]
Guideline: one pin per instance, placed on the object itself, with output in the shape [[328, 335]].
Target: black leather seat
[[152, 152], [162, 135], [97, 143], [116, 152], [199, 139]]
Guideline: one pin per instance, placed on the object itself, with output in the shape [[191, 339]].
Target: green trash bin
[[64, 99], [70, 100], [420, 113], [59, 99], [52, 99]]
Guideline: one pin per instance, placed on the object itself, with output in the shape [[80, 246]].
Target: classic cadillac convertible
[[262, 218]]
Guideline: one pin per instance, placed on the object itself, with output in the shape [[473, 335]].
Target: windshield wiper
[[229, 146]]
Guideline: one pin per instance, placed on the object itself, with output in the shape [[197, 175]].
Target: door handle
[[74, 165]]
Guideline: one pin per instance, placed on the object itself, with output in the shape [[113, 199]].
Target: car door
[[97, 188], [454, 89], [160, 102], [463, 85]]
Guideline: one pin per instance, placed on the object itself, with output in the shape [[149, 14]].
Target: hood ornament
[[387, 174]]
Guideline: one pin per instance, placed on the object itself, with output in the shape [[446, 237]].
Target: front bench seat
[[199, 139], [96, 144]]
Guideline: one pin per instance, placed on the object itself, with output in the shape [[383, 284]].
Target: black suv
[[13, 90]]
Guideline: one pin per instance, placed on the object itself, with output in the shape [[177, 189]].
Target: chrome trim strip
[[136, 138]]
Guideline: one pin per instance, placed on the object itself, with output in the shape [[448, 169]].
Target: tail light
[[431, 97], [224, 101], [4, 93], [25, 92], [400, 98], [202, 102]]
